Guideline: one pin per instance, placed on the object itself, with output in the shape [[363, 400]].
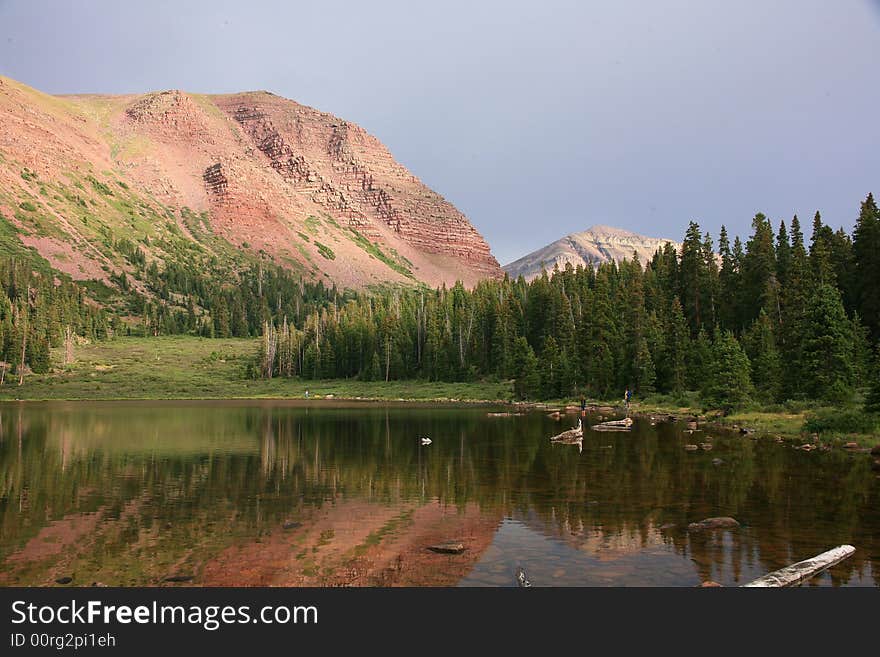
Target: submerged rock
[[447, 547], [717, 461], [292, 524], [875, 450], [64, 580], [721, 522], [178, 578]]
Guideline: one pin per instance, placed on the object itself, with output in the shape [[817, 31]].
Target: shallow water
[[323, 493]]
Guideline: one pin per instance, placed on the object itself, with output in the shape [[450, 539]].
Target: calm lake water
[[276, 493]]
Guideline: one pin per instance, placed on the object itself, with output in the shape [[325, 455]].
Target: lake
[[336, 494]]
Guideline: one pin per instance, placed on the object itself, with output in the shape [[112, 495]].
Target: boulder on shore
[[722, 522]]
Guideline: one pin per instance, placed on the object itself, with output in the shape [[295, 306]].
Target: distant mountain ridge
[[591, 247]]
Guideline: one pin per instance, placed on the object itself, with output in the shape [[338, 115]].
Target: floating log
[[804, 570], [571, 436], [614, 425], [447, 547]]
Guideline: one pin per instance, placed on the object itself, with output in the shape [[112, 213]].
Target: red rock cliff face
[[353, 177], [309, 190]]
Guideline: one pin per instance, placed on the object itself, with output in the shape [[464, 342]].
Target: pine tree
[[866, 265], [795, 295], [766, 363], [872, 401], [550, 366], [599, 357], [677, 348], [820, 253], [643, 370], [729, 285], [828, 347], [783, 254], [693, 278], [728, 384], [760, 288], [525, 366], [699, 361]]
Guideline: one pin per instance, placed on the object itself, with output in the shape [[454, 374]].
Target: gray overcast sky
[[536, 119]]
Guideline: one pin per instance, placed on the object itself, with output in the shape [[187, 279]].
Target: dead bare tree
[[68, 346], [23, 317]]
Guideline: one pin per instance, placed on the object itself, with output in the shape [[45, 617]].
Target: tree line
[[767, 320], [773, 318]]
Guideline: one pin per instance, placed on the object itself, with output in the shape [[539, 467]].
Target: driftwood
[[614, 425], [575, 435], [804, 570]]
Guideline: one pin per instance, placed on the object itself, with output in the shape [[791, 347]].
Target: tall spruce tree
[[827, 358], [866, 265], [795, 295], [872, 400], [820, 252], [728, 385], [677, 349], [728, 284], [766, 363], [760, 288], [692, 279]]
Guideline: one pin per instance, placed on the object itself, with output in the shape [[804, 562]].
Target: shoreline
[[194, 369]]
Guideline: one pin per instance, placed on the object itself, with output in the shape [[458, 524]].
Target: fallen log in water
[[614, 425], [574, 435], [804, 570]]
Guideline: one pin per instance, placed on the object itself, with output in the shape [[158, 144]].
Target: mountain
[[590, 247], [87, 182]]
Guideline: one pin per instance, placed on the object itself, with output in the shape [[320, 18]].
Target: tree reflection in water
[[124, 493]]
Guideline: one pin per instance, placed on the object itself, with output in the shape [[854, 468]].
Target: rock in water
[[708, 584], [448, 547], [64, 580], [691, 448], [723, 522], [291, 525]]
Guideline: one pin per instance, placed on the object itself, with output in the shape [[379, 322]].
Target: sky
[[536, 119]]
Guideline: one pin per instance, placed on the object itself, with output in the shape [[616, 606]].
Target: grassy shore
[[789, 421], [180, 367]]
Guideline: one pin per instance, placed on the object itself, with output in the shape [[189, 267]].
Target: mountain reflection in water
[[292, 493]]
